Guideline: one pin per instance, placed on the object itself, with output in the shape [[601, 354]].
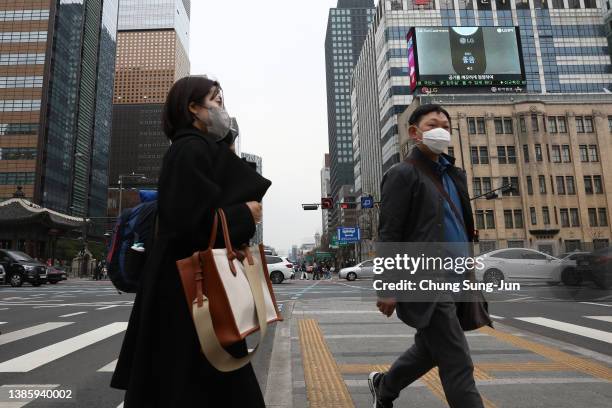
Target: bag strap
[[439, 187], [216, 355]]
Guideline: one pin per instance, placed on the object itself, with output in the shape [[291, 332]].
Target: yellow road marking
[[325, 386], [579, 364], [432, 381]]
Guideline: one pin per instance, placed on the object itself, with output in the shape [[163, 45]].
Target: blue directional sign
[[367, 202], [349, 234]]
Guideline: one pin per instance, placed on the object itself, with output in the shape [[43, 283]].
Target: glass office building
[[53, 105], [152, 53], [563, 42], [347, 27]]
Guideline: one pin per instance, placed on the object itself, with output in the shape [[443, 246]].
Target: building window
[[560, 185], [490, 219], [579, 124], [486, 184], [511, 154], [534, 123], [588, 184], [588, 124], [571, 185], [565, 154], [610, 123], [518, 219], [593, 154], [477, 187], [597, 184], [480, 219], [552, 124], [471, 126], [533, 215], [538, 152], [584, 153], [508, 220], [529, 185], [575, 217], [501, 155], [562, 124], [556, 154], [480, 126], [545, 216], [593, 217], [603, 217], [526, 153], [523, 125], [474, 150], [565, 222], [499, 126], [542, 181], [484, 155], [512, 181]]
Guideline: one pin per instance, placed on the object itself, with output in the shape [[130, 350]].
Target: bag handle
[[440, 189], [216, 355]]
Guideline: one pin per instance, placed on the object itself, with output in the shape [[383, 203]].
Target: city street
[[543, 353]]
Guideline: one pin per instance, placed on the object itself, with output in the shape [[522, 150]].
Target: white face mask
[[437, 140]]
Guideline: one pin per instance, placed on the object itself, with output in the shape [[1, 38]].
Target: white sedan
[[280, 269], [359, 271], [519, 264]]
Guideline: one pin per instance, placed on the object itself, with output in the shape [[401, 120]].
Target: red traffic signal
[[327, 203], [348, 206]]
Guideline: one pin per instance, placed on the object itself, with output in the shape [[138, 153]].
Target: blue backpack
[[133, 238]]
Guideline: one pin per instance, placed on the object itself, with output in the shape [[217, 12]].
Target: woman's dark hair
[[176, 114]]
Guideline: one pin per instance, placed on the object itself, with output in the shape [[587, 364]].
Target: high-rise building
[[346, 30], [552, 150], [152, 53], [325, 192], [563, 43], [56, 72], [256, 162]]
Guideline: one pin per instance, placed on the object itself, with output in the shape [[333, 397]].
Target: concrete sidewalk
[[335, 344]]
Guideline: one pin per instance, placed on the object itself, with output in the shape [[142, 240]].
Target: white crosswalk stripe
[[602, 318], [109, 368], [30, 331], [73, 314], [569, 328], [45, 355]]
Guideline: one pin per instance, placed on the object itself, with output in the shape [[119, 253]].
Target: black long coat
[[160, 364], [412, 210]]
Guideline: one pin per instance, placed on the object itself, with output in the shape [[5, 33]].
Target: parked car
[[596, 266], [56, 274], [570, 275], [363, 270], [519, 264], [280, 269], [20, 267]]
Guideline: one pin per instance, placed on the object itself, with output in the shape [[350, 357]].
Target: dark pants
[[442, 344]]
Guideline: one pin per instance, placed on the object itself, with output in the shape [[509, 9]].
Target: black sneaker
[[374, 382]]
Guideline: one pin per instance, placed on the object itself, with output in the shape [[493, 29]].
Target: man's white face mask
[[437, 140]]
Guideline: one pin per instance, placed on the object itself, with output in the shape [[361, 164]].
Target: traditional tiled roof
[[18, 211]]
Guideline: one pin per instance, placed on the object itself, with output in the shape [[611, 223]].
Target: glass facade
[[346, 31]]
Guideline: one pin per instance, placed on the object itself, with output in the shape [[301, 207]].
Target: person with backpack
[[161, 363]]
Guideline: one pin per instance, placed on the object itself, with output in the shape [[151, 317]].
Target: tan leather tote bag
[[230, 297]]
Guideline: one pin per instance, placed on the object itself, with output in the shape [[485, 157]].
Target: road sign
[[367, 202], [327, 203], [349, 234]]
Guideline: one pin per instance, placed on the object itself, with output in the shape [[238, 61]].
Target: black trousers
[[442, 344]]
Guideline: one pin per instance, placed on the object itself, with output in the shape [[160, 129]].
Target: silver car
[[519, 264], [363, 270]]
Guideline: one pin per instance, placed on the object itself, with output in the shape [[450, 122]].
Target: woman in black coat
[[160, 364]]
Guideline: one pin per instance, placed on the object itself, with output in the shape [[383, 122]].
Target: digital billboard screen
[[466, 56]]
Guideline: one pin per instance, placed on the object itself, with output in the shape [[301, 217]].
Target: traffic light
[[327, 203], [348, 206]]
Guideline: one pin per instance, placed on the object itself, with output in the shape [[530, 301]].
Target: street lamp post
[[458, 129], [121, 177]]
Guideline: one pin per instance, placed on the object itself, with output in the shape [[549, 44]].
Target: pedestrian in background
[[425, 199], [161, 363]]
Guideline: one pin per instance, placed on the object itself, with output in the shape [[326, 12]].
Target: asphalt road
[[67, 336]]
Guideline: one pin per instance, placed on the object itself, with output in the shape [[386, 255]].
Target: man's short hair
[[423, 110]]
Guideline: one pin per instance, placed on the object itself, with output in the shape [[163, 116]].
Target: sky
[[269, 57]]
